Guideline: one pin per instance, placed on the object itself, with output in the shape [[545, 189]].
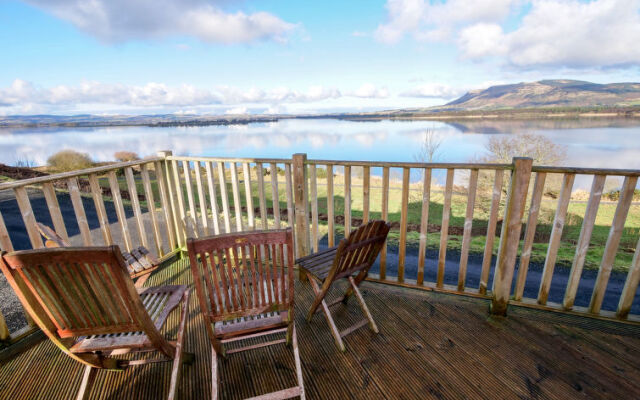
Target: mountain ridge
[[547, 93]]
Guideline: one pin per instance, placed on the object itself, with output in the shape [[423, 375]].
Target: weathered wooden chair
[[353, 256], [84, 300], [140, 262], [244, 282]]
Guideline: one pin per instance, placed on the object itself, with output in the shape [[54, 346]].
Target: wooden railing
[[210, 195], [114, 185]]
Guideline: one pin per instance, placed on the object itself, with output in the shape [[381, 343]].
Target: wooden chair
[[353, 256], [244, 282], [84, 300], [140, 262]]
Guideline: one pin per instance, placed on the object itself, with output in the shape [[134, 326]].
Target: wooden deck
[[431, 346]]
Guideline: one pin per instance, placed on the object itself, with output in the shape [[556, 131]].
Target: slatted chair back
[[72, 292], [359, 251], [240, 275]]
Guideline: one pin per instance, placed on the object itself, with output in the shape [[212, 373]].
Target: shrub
[[125, 156], [69, 160]]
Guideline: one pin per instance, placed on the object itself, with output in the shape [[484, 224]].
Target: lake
[[590, 142]]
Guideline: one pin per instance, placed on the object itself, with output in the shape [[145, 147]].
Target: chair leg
[[327, 314], [358, 279], [87, 381], [214, 374], [179, 352], [317, 300], [363, 305], [296, 357]]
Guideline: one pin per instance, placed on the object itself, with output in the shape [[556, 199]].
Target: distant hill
[[547, 93]]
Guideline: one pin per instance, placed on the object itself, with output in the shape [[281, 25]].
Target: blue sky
[[221, 56]]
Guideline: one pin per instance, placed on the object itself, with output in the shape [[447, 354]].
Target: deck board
[[430, 345]]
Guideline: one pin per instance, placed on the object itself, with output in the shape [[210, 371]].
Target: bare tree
[[429, 148], [502, 148]]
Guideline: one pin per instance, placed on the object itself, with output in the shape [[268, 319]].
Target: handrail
[[73, 174], [400, 164], [231, 159], [586, 171]]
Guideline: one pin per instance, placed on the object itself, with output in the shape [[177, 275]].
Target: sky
[[278, 56]]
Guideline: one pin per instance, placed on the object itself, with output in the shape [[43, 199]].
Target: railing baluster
[[404, 216], [385, 217], [630, 286], [213, 197], [225, 198], [331, 219], [5, 240], [27, 216], [275, 195], [262, 198], [510, 235], [314, 206], [54, 209], [491, 231], [193, 213], [235, 187], [583, 241], [289, 184], [117, 203], [78, 209], [151, 207], [165, 203], [466, 235], [176, 224], [530, 232], [202, 199], [366, 182], [301, 201], [556, 236], [609, 256], [246, 172], [444, 228], [347, 200], [424, 223], [135, 204], [181, 214], [98, 202]]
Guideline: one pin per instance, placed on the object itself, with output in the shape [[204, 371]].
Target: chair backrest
[[358, 252], [243, 274], [80, 291]]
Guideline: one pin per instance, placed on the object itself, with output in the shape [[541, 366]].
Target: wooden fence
[[204, 196]]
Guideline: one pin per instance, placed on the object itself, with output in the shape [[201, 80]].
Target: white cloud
[[149, 95], [237, 110], [122, 20], [551, 33], [434, 90], [371, 91], [24, 97], [425, 20], [571, 33]]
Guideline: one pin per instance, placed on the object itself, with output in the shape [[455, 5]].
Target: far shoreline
[[435, 114]]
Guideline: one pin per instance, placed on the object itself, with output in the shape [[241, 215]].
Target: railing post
[[510, 235], [170, 214], [301, 203]]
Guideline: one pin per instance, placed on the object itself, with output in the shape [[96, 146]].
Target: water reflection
[[591, 142]]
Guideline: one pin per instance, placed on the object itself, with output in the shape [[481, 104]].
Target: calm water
[[612, 143]]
